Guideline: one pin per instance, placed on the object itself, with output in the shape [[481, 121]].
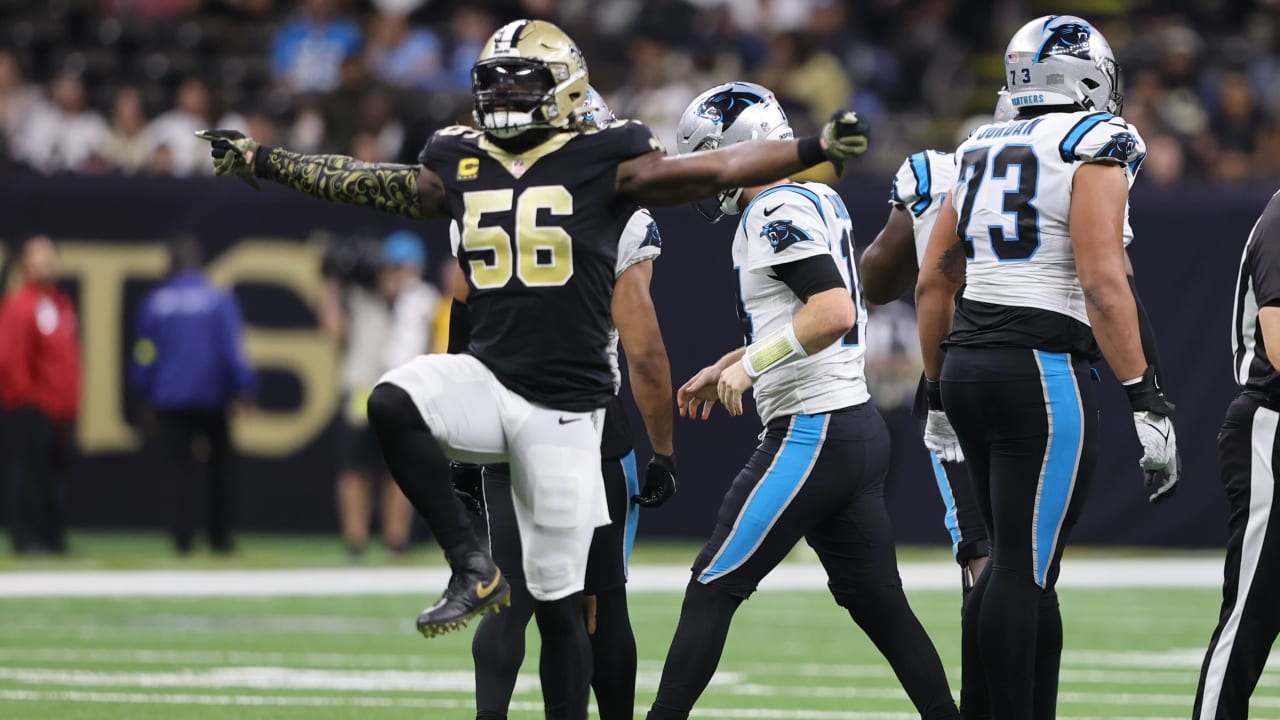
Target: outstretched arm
[[408, 190], [889, 264], [658, 179], [647, 364]]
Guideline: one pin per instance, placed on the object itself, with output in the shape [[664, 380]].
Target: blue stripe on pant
[[949, 500], [772, 495], [633, 510], [1065, 414]]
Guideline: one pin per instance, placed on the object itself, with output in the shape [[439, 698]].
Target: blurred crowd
[[120, 85]]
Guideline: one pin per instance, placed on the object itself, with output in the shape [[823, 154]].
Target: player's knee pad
[[390, 408]]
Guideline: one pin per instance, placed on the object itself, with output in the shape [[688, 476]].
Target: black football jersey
[[539, 245]]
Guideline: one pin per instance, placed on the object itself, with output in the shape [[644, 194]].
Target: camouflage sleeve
[[337, 178]]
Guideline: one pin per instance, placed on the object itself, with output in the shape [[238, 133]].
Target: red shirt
[[39, 352]]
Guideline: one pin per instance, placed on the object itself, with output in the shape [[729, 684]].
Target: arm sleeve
[[640, 241], [782, 225], [1264, 257], [811, 275], [17, 328], [142, 363], [243, 378]]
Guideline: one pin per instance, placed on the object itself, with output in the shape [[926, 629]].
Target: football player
[[498, 646], [541, 204], [1033, 230], [818, 473], [889, 269]]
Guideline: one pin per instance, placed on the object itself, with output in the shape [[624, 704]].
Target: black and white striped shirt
[[1257, 286]]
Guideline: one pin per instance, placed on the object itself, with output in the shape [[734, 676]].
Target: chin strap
[[337, 178]]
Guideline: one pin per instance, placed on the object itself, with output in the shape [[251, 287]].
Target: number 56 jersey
[[539, 247], [1013, 200]]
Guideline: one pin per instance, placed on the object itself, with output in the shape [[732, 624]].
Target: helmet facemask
[[514, 94]]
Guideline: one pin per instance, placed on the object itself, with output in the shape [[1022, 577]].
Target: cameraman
[[378, 311]]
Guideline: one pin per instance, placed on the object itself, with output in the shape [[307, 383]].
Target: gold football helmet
[[529, 75]]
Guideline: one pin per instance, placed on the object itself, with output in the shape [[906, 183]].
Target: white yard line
[[1085, 573]]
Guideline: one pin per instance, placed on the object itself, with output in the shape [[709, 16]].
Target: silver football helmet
[[593, 113], [727, 114], [1062, 60]]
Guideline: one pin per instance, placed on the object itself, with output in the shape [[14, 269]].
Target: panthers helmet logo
[[782, 234], [1066, 39], [725, 107]]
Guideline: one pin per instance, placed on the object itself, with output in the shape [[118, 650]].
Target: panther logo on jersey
[[1122, 146], [783, 234], [651, 236], [725, 107], [1066, 39]]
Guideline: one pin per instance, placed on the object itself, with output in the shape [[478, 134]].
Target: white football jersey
[[783, 224], [639, 242], [1013, 199], [920, 186]]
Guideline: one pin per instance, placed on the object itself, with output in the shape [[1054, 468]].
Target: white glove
[[1159, 453], [941, 438]]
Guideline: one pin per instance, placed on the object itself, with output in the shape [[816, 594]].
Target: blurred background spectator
[[376, 77], [40, 392], [190, 369], [379, 312]]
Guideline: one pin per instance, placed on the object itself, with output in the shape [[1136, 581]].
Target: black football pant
[[1250, 617], [1027, 422], [820, 478], [189, 440], [498, 646], [34, 445]]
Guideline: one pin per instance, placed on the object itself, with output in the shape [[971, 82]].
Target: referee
[[1249, 619]]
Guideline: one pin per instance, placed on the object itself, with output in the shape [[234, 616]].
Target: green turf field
[[792, 656]]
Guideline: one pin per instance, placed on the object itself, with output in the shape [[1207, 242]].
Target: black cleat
[[477, 587]]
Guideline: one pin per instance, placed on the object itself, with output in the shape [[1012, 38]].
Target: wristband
[[810, 151], [260, 160], [933, 393], [1145, 394], [778, 348]]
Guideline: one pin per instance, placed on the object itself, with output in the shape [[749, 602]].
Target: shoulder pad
[[1103, 137], [442, 138], [913, 185]]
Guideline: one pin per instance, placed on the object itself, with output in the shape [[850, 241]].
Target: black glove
[[468, 486], [659, 482]]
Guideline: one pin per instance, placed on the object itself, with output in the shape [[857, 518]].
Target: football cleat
[[477, 587]]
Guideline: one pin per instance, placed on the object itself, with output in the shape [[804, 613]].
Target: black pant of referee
[[1250, 616], [188, 440]]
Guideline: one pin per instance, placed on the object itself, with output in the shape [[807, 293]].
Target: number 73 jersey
[[539, 248], [1013, 200]]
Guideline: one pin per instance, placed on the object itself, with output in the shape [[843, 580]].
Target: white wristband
[[777, 348]]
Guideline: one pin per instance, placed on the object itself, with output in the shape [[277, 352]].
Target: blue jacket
[[189, 354]]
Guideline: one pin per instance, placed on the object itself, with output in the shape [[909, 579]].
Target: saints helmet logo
[[1066, 39], [782, 234]]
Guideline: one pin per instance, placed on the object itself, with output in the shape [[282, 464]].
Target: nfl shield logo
[[517, 168]]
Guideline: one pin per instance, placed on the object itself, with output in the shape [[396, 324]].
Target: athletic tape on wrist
[[778, 348]]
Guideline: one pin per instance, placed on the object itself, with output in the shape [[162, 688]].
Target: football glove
[[468, 486], [659, 482], [1151, 418], [941, 438], [232, 153], [844, 136]]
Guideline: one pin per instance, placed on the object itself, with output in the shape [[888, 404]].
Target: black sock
[[613, 657], [975, 699], [695, 650], [565, 665], [498, 651], [1048, 656], [419, 467], [1007, 630], [882, 611]]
